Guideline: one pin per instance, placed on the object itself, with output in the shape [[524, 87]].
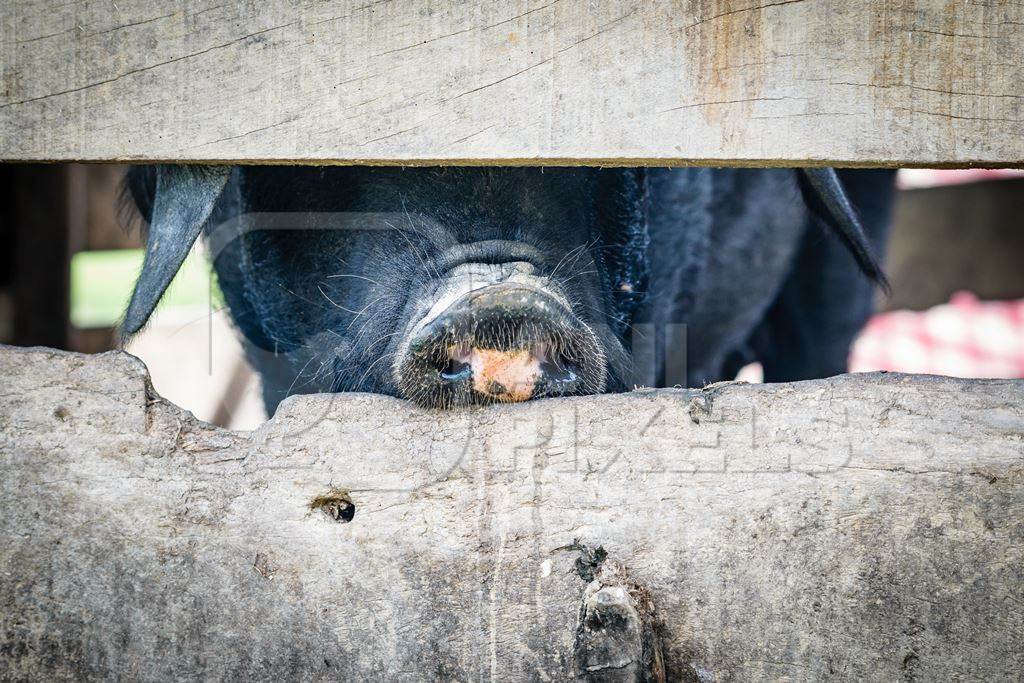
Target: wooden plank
[[749, 82], [863, 527]]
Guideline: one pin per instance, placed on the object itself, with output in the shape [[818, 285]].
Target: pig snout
[[498, 333]]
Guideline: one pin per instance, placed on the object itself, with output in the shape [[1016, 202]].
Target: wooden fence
[[719, 82]]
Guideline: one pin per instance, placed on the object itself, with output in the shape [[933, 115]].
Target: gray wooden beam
[[865, 527], [720, 82]]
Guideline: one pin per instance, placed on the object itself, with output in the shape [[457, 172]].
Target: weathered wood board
[[864, 527], [749, 82]]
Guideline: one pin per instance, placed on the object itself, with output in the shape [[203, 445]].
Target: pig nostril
[[456, 371], [559, 370], [499, 344]]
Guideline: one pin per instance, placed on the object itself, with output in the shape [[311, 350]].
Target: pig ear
[[827, 198], [177, 202]]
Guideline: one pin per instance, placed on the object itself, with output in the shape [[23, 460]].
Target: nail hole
[[336, 504]]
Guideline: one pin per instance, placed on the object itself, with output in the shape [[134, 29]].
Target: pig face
[[444, 286], [455, 286]]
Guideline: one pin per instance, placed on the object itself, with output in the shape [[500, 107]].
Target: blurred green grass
[[102, 282]]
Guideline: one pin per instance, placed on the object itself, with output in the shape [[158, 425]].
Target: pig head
[[454, 286]]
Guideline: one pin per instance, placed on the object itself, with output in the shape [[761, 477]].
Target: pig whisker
[[335, 303], [288, 392], [415, 251], [422, 256], [365, 324], [573, 254], [360, 277], [363, 329], [322, 371], [302, 298], [576, 275], [382, 338], [386, 356], [600, 311], [363, 310], [319, 372]]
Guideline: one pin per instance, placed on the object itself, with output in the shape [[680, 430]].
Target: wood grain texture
[[748, 82], [866, 527]]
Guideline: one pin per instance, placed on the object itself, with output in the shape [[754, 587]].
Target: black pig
[[450, 286]]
